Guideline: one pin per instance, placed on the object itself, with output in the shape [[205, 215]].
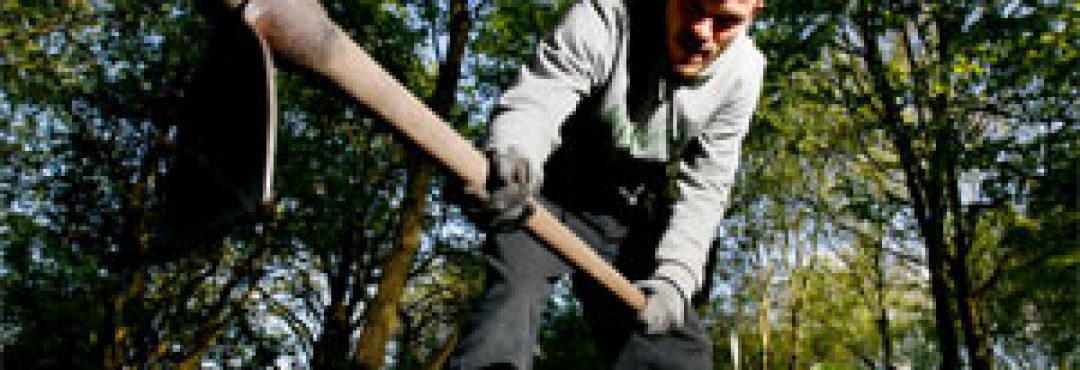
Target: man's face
[[699, 30]]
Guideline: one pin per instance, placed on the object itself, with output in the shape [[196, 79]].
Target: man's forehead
[[724, 4]]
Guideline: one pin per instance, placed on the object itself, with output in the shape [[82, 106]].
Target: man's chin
[[687, 71], [692, 65]]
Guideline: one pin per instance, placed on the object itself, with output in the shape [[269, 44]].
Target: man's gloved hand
[[665, 306], [513, 181], [506, 200]]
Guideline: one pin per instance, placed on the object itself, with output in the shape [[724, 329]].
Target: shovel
[[301, 32]]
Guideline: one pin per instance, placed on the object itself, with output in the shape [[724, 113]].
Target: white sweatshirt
[[587, 55]]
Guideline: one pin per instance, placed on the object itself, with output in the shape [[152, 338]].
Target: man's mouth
[[695, 50], [727, 21]]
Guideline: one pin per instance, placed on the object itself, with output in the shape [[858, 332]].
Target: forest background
[[908, 194]]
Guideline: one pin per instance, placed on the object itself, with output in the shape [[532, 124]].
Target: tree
[[908, 193], [383, 313], [96, 93]]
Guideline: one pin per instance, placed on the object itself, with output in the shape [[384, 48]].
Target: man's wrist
[[680, 277]]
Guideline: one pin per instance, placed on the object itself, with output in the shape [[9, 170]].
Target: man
[[627, 124]]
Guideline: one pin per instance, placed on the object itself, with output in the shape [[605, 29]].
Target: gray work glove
[[513, 180], [665, 306]]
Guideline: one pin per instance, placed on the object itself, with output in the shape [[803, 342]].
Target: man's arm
[[567, 66], [704, 183]]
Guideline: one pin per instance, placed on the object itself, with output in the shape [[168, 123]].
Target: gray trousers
[[502, 328]]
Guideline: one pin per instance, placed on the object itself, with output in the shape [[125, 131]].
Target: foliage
[[886, 131]]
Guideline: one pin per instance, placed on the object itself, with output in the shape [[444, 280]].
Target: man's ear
[[758, 5]]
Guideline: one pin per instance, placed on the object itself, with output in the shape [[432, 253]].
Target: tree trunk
[[113, 330], [958, 264], [794, 357], [797, 286], [131, 287], [924, 192], [981, 337], [935, 254], [436, 361], [224, 308], [192, 360], [966, 305], [944, 161], [331, 351], [764, 329], [886, 339], [883, 312], [381, 317], [735, 361]]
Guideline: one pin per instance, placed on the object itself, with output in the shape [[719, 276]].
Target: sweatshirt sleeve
[[705, 179], [568, 65]]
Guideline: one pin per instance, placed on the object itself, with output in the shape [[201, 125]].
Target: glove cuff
[[679, 277]]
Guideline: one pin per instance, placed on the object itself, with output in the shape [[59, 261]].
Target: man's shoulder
[[610, 13], [595, 28], [610, 5], [757, 56], [747, 51]]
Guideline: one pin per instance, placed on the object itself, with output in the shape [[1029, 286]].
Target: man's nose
[[702, 29]]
